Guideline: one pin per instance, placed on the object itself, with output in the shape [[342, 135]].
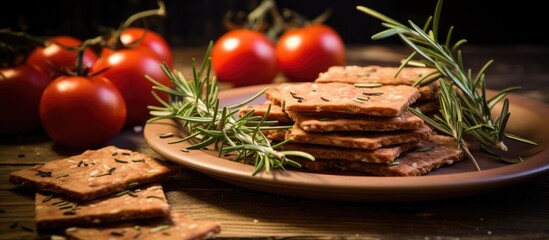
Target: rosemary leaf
[[471, 114]]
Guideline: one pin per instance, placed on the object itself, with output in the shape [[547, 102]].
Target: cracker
[[275, 134], [147, 201], [177, 226], [383, 75], [94, 173], [273, 95], [275, 113], [380, 155], [426, 106], [427, 156], [359, 139], [355, 122], [389, 101]]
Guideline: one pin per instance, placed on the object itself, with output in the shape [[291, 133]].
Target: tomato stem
[[161, 11], [257, 19], [80, 69]]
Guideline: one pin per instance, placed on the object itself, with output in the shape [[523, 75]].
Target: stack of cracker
[[368, 129], [108, 193]]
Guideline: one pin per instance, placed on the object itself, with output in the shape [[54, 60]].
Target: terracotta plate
[[529, 119]]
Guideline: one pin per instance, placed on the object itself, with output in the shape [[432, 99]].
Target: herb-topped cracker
[[147, 201], [427, 156], [356, 122], [382, 75], [359, 139], [323, 122], [388, 101], [380, 155], [176, 227], [94, 173]]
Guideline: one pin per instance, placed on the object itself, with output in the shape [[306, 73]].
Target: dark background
[[196, 22]]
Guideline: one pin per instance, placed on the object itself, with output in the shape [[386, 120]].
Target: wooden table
[[516, 212]]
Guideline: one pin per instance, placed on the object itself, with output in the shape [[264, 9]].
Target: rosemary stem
[[469, 155]]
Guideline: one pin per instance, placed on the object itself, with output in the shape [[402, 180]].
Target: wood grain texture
[[519, 211]]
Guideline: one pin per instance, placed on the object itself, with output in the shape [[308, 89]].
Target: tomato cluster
[[83, 97], [246, 56], [127, 67]]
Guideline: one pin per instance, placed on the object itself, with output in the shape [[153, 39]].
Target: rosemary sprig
[[472, 113], [195, 105]]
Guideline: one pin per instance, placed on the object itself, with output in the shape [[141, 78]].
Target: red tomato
[[82, 112], [303, 53], [54, 57], [148, 40], [126, 69], [20, 90], [244, 57]]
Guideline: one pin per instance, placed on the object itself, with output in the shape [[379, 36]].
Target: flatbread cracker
[[359, 139], [273, 95], [275, 134], [426, 106], [275, 113], [146, 201], [322, 122], [389, 101], [380, 155], [94, 173], [383, 75], [176, 227], [356, 122], [442, 151]]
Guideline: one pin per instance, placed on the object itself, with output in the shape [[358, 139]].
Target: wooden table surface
[[515, 212]]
